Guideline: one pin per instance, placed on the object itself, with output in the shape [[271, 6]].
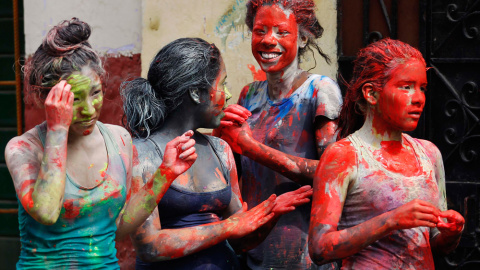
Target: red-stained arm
[[156, 244], [284, 203], [451, 230], [301, 170], [337, 168], [179, 156], [40, 185]]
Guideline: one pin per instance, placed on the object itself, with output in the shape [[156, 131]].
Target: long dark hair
[[304, 12], [63, 51], [374, 65], [179, 66]]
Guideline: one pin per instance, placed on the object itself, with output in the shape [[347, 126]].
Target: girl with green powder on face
[[72, 174]]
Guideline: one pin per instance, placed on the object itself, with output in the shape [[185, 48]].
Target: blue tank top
[[84, 235], [180, 209]]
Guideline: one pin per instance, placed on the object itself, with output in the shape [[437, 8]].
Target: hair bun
[[66, 37]]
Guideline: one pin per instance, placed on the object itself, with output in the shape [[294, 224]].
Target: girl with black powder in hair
[[185, 90]]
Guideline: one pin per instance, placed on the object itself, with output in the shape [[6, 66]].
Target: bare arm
[[40, 186], [239, 136], [451, 230], [156, 244], [284, 203], [337, 168], [179, 156]]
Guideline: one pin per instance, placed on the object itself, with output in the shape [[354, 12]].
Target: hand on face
[[453, 226], [59, 106], [413, 214], [180, 154], [287, 202], [244, 222]]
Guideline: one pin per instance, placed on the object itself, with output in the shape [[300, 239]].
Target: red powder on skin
[[135, 160], [122, 140], [269, 24], [219, 174], [21, 145], [27, 200], [57, 161], [258, 75], [86, 132]]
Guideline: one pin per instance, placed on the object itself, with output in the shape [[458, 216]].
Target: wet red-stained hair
[[374, 64], [304, 12]]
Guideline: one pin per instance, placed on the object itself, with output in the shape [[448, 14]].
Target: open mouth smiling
[[270, 55]]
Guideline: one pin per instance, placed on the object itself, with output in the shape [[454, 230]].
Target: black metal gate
[[448, 34]]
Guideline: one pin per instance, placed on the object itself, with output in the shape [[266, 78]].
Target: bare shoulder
[[26, 144], [121, 135], [342, 149], [339, 158], [118, 130], [430, 149], [223, 150]]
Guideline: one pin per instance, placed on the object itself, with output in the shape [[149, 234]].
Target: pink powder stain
[[219, 175], [121, 138], [182, 179], [21, 145]]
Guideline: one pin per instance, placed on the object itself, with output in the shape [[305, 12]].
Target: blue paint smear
[[284, 108]]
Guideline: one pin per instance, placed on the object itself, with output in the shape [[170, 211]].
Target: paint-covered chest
[[287, 124]]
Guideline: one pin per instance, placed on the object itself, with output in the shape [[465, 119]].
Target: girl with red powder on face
[[72, 174], [379, 194], [201, 216], [292, 119]]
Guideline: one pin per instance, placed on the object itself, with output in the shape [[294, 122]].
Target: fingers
[[233, 117], [266, 219], [224, 123], [428, 219], [187, 154], [238, 110], [180, 139], [455, 221], [425, 207]]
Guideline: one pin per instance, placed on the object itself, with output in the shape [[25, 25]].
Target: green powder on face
[[96, 101], [79, 82]]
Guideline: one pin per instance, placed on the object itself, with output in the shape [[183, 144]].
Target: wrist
[[167, 173]]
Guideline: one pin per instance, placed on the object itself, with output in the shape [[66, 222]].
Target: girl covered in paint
[[72, 174], [292, 120], [379, 194], [185, 89]]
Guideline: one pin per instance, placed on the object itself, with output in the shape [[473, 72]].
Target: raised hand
[[234, 114], [59, 106], [413, 214], [454, 224], [236, 135], [180, 154], [244, 222], [287, 202]]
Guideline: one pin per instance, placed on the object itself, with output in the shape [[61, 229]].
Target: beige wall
[[222, 22], [116, 25]]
